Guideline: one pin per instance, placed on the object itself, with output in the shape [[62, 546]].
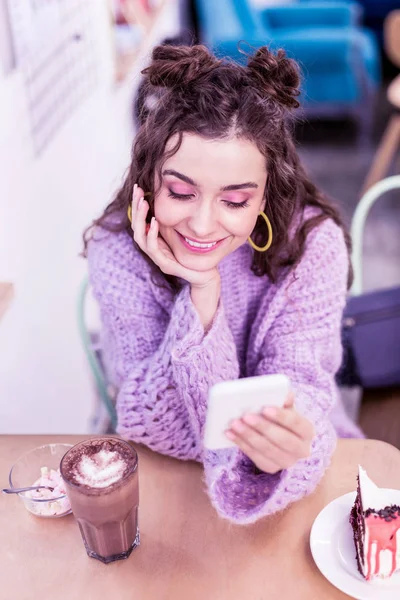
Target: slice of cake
[[376, 528]]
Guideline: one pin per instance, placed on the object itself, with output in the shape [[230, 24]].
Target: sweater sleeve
[[303, 342], [161, 360]]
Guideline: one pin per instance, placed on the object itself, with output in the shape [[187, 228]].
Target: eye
[[236, 204], [172, 194]]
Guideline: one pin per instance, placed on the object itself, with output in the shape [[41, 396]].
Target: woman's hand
[[204, 285], [275, 439], [148, 239]]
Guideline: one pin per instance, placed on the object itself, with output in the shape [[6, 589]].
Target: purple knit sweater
[[163, 363]]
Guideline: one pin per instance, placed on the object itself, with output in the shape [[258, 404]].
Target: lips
[[199, 244], [199, 247]]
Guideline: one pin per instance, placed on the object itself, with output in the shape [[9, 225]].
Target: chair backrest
[[250, 18], [217, 20], [95, 366], [358, 224], [221, 20]]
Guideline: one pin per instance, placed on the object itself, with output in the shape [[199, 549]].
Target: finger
[[291, 420], [139, 224], [265, 464], [155, 247], [289, 441], [263, 445], [286, 441], [289, 402], [136, 195]]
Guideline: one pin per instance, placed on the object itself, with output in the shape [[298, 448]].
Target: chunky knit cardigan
[[163, 362]]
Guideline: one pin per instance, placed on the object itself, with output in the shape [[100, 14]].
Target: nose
[[203, 220]]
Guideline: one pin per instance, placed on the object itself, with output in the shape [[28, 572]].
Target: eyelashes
[[236, 204], [172, 194], [233, 205]]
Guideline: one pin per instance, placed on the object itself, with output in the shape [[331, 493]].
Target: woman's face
[[211, 193]]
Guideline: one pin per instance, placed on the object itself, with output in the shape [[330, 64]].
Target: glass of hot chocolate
[[102, 484]]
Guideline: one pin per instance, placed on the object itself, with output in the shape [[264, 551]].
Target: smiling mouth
[[197, 246]]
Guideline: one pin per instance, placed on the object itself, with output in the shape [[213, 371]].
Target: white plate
[[332, 547]]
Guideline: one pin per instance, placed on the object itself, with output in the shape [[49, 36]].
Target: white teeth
[[198, 245]]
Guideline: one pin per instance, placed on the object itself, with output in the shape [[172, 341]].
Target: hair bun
[[276, 76], [177, 66]]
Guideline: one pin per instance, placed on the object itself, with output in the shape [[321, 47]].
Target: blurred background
[[69, 97]]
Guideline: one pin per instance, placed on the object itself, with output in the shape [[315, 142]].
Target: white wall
[[6, 47], [45, 204]]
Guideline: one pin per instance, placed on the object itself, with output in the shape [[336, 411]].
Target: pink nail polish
[[238, 426], [250, 419], [270, 411]]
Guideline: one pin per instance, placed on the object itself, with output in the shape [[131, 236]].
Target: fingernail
[[250, 419], [230, 435], [134, 188], [237, 425], [270, 411], [140, 202]]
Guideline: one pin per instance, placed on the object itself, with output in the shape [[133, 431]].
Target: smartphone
[[229, 400]]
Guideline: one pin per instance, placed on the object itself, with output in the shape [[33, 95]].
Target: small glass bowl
[[26, 470]]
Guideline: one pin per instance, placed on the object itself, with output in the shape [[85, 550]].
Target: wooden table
[[6, 294], [187, 552]]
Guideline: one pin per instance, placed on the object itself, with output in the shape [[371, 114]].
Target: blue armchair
[[375, 13], [339, 59]]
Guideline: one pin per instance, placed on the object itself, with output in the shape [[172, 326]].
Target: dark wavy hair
[[192, 91]]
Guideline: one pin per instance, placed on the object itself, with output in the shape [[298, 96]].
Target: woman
[[238, 267]]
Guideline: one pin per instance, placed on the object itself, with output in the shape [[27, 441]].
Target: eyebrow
[[227, 188]]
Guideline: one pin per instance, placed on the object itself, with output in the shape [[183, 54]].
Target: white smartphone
[[231, 400]]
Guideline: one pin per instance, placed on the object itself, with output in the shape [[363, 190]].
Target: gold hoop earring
[[269, 242]]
